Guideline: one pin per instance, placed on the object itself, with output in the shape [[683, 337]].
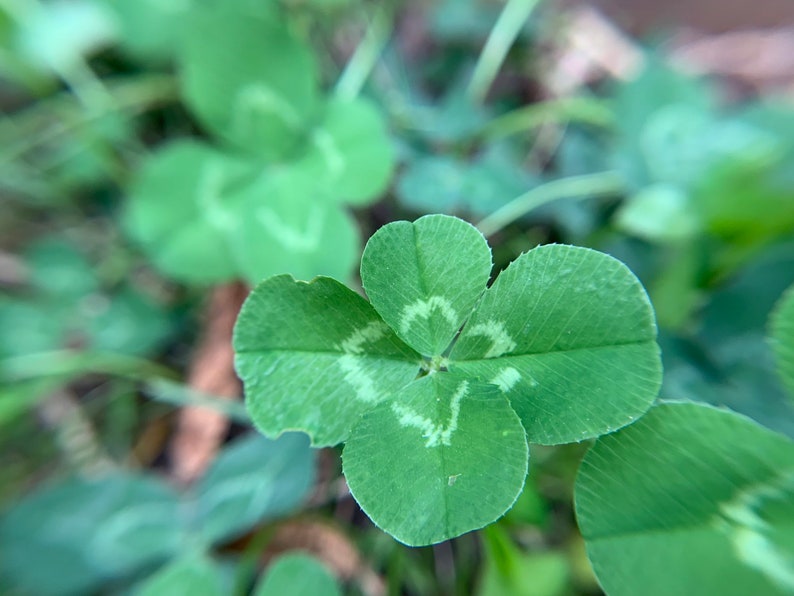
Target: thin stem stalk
[[366, 56], [587, 185], [584, 110], [504, 33]]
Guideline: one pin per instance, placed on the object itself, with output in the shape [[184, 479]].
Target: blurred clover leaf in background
[[92, 530], [782, 338], [269, 197]]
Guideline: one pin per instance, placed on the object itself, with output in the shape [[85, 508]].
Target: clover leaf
[[258, 89], [438, 384], [690, 499], [272, 202], [349, 152], [289, 223], [179, 210], [782, 337], [297, 573], [192, 573], [111, 527], [206, 216]]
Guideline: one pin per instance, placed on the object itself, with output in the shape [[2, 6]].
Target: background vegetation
[[138, 208]]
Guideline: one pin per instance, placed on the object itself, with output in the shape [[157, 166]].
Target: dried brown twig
[[200, 431]]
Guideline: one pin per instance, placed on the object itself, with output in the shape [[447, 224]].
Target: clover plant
[[690, 499], [437, 384], [267, 195]]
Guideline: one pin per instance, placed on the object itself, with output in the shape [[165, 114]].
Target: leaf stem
[[585, 110], [587, 185], [502, 36], [366, 55]]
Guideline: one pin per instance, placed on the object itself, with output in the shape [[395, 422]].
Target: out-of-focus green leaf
[[463, 20], [705, 171], [252, 480], [738, 374], [58, 268], [191, 575], [350, 154], [84, 532], [127, 322], [297, 574], [287, 223], [58, 35], [248, 77], [636, 102], [782, 337], [676, 290], [150, 29], [726, 360], [454, 119], [530, 508], [689, 499], [660, 213], [443, 184], [507, 570], [69, 309], [433, 184], [30, 326], [181, 210]]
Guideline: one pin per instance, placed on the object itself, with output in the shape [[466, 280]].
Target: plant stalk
[[508, 25], [584, 110], [366, 56], [587, 185]]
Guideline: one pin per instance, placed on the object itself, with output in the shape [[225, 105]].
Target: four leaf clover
[[438, 383]]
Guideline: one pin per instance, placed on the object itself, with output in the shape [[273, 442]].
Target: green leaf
[[444, 184], [248, 78], [287, 224], [569, 334], [508, 570], [639, 101], [180, 211], [689, 499], [433, 183], [58, 268], [425, 277], [85, 531], [782, 337], [192, 575], [58, 36], [149, 29], [565, 334], [127, 322], [449, 456], [297, 574], [30, 326], [314, 356], [350, 152], [252, 480], [659, 213]]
